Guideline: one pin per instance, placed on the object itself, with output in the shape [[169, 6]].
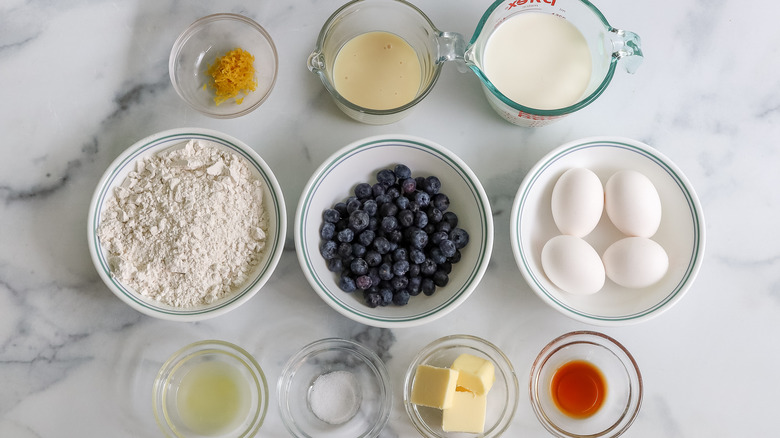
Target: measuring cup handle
[[315, 62], [627, 47], [452, 47]]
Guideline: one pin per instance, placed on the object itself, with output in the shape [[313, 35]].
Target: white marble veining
[[81, 80]]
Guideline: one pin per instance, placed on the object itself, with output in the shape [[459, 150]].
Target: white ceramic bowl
[[359, 162], [198, 47], [681, 232], [273, 203]]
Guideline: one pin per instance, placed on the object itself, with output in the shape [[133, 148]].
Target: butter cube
[[474, 373], [434, 387], [467, 413]]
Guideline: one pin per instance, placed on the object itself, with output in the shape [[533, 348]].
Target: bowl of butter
[[460, 384]]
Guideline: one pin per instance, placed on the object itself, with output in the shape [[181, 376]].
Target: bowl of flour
[[187, 224]]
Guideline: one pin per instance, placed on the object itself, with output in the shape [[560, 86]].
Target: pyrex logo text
[[522, 2]]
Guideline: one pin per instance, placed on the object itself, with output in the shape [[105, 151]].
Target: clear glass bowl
[[199, 46], [323, 357], [210, 367], [623, 385], [502, 397]]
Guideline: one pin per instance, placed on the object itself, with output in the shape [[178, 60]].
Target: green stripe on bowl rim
[[432, 150], [655, 157], [131, 158]]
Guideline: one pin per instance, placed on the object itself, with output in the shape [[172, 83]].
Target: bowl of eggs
[[607, 231]]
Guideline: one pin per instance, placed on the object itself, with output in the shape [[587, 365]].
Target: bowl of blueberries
[[393, 231]]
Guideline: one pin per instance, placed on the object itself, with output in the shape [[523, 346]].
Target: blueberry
[[446, 267], [400, 254], [378, 189], [437, 237], [370, 207], [441, 201], [427, 286], [388, 209], [345, 250], [428, 267], [409, 185], [395, 237], [432, 185], [394, 192], [422, 199], [363, 190], [366, 237], [383, 199], [450, 218], [401, 297], [358, 250], [359, 266], [416, 256], [389, 223], [460, 237], [418, 238], [420, 219], [405, 218], [455, 258], [436, 255], [363, 282], [358, 220], [335, 265], [373, 223], [353, 204], [385, 177], [329, 249], [346, 235], [414, 286], [402, 171], [434, 214], [373, 274], [444, 226], [347, 284], [331, 215], [447, 248], [385, 271], [341, 207], [430, 228], [440, 278], [402, 202], [398, 283], [382, 245], [387, 297], [420, 181], [414, 270], [328, 230], [373, 299], [388, 258], [400, 268]]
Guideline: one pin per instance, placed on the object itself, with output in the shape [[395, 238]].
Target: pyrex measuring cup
[[362, 16], [607, 47]]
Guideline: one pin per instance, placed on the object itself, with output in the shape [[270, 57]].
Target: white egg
[[632, 203], [573, 265], [577, 202], [635, 262]]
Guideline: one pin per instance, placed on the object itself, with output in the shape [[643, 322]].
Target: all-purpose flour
[[187, 226]]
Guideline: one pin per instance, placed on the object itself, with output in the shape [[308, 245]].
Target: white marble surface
[[81, 80]]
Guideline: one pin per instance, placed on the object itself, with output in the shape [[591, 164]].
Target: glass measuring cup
[[607, 46], [393, 16]]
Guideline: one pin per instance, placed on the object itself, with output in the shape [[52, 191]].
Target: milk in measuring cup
[[538, 60]]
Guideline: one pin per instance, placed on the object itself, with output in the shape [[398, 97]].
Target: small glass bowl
[[501, 400], [326, 356], [624, 385], [232, 361], [199, 46]]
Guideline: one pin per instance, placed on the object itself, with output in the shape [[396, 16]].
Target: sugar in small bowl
[[210, 389], [335, 388]]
